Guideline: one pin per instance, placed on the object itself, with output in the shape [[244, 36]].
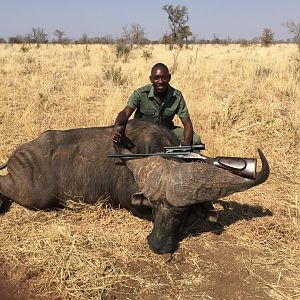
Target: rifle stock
[[245, 167]]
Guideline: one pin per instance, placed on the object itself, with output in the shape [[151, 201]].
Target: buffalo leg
[[5, 203], [201, 211], [23, 194], [7, 188]]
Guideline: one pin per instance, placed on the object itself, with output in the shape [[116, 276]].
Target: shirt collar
[[151, 92], [170, 93]]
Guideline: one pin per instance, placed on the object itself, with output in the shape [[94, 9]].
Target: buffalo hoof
[[4, 204], [212, 216], [201, 212], [138, 199]]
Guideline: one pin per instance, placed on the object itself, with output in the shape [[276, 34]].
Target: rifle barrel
[[139, 155], [184, 148]]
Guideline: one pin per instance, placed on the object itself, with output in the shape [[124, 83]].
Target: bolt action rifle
[[245, 167]]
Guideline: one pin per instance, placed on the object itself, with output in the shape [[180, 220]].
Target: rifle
[[245, 167]]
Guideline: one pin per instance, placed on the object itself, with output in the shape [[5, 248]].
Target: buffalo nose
[[159, 247]]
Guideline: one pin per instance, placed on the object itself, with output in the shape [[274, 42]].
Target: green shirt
[[148, 106]]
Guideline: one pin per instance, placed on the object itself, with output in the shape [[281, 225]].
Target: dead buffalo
[[73, 163]]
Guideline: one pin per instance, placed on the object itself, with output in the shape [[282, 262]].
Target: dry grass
[[239, 99]]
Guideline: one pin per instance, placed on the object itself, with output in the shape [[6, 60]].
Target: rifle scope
[[183, 148]]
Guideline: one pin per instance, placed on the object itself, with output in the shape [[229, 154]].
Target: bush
[[24, 48], [123, 50], [147, 54], [267, 37], [263, 72], [114, 74]]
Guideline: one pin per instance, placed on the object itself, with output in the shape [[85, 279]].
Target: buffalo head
[[173, 188]]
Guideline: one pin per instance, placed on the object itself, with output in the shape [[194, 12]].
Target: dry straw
[[239, 99]]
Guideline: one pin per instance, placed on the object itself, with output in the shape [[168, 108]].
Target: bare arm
[[121, 120], [187, 131]]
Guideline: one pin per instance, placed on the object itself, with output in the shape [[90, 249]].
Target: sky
[[223, 18]]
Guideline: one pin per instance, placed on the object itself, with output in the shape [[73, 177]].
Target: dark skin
[[160, 78]]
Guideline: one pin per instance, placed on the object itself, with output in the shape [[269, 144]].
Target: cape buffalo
[[74, 163]]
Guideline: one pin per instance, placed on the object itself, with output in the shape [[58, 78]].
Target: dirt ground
[[211, 263], [221, 274]]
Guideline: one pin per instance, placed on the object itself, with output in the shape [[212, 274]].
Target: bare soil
[[210, 263], [220, 275]]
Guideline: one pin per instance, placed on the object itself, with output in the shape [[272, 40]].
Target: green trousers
[[178, 131]]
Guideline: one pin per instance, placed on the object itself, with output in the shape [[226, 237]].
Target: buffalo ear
[[139, 199]]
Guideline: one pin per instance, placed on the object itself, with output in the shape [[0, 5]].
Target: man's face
[[160, 78]]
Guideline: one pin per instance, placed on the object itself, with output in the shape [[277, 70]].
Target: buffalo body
[[60, 165]]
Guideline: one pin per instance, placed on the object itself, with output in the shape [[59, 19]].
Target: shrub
[[24, 48], [115, 75], [147, 54], [123, 50], [267, 37]]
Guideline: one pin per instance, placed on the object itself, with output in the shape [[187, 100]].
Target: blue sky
[[233, 18]]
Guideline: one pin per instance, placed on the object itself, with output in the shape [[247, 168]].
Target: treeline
[[108, 39], [179, 33]]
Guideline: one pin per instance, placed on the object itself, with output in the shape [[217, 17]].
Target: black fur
[[59, 165]]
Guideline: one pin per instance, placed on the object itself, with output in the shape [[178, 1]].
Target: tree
[[184, 34], [17, 39], [84, 39], [60, 37], [107, 39], [138, 34], [133, 34], [28, 38], [39, 36], [178, 18], [216, 39], [167, 39], [267, 37], [294, 28]]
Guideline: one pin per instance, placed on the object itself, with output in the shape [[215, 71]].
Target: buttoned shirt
[[149, 107]]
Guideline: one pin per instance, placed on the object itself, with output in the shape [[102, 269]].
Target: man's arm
[[121, 120], [184, 116], [187, 131]]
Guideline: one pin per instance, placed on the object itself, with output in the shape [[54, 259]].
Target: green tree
[[166, 39], [178, 18], [184, 34]]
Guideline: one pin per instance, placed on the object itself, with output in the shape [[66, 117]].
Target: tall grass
[[239, 98]]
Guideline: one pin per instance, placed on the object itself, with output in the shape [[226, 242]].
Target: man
[[158, 102]]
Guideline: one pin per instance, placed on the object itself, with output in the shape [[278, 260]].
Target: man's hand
[[117, 133], [119, 136], [120, 123]]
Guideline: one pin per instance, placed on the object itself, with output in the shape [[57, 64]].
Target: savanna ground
[[240, 99]]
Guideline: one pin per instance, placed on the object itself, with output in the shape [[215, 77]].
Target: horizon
[[236, 19]]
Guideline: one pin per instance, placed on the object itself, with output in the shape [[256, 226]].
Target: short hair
[[159, 66]]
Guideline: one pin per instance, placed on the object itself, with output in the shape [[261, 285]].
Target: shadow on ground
[[230, 213]]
